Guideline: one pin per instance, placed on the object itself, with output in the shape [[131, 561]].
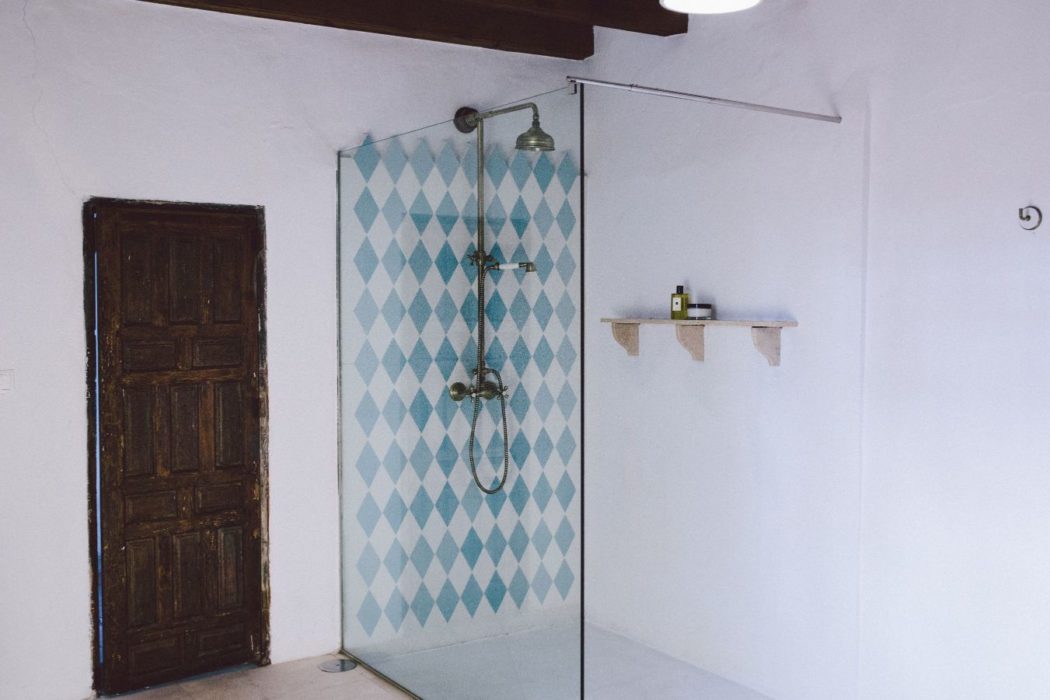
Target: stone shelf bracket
[[767, 342], [764, 334], [626, 334], [692, 339]]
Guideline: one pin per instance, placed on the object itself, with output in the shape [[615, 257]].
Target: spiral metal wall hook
[[1025, 215]]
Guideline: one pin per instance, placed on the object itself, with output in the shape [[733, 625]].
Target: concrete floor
[[541, 665], [294, 680]]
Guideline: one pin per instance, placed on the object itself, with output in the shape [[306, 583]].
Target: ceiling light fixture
[[708, 7]]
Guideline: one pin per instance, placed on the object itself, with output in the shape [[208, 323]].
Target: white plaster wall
[[869, 520], [128, 99], [727, 489], [956, 567]]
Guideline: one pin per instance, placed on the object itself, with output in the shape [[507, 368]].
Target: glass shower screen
[[447, 590]]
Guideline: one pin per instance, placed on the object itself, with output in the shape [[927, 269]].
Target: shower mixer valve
[[486, 390], [481, 259]]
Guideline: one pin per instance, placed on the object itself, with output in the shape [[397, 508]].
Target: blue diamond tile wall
[[423, 546]]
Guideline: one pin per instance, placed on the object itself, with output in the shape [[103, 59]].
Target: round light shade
[[708, 7]]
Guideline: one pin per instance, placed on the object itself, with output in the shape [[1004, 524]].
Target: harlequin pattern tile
[[427, 547]]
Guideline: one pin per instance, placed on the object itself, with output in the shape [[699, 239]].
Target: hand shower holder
[[524, 266]]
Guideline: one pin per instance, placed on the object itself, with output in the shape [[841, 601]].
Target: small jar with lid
[[701, 312]]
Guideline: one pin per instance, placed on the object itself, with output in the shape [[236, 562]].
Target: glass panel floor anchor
[[337, 665]]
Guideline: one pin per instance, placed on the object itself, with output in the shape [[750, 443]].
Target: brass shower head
[[535, 139]]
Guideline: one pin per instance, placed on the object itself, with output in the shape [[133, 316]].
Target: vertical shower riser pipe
[[481, 254], [482, 260]]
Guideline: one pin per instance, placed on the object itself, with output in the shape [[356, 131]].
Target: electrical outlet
[[7, 380]]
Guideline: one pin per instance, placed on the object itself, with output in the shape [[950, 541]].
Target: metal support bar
[[659, 92]]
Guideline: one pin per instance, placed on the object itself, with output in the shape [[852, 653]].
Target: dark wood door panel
[[170, 274], [179, 416]]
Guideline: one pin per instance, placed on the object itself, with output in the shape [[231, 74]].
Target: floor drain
[[338, 665]]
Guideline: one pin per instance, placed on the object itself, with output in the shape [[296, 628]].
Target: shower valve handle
[[486, 390], [480, 259]]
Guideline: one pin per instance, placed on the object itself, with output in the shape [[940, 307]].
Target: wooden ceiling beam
[[449, 21], [643, 16]]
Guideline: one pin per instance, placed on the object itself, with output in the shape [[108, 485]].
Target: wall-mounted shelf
[[764, 334]]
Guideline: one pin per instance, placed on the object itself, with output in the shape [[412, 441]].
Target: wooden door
[[180, 409]]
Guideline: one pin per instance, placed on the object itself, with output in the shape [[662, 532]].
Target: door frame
[[90, 320]]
